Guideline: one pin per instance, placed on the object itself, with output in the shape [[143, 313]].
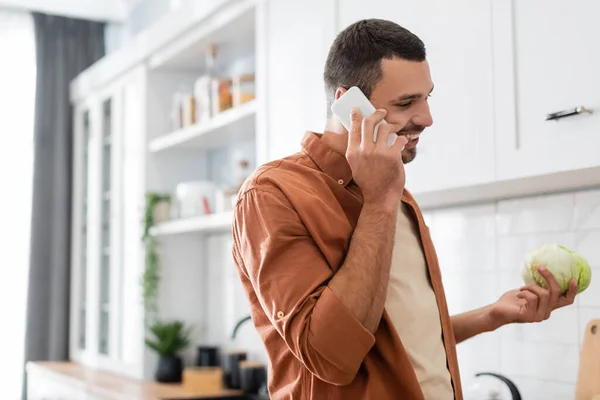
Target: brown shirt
[[292, 227]]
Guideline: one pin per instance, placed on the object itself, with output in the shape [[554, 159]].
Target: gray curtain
[[64, 48]]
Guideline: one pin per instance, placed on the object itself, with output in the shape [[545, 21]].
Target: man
[[334, 255]]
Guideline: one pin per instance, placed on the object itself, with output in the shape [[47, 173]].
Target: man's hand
[[524, 305], [376, 169], [361, 282], [533, 303]]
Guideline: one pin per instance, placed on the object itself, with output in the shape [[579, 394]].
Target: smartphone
[[354, 97]]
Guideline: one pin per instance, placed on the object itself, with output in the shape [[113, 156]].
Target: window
[[17, 108]]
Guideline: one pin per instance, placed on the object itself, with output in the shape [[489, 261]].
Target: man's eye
[[404, 105]]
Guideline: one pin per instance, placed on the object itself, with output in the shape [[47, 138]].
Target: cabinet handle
[[567, 113]]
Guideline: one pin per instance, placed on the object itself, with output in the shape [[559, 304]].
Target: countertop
[[111, 386]]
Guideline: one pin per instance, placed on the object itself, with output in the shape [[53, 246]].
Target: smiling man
[[335, 257]]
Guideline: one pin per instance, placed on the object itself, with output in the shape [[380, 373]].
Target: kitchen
[[188, 106]]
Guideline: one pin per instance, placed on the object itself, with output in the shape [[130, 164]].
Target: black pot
[[207, 356], [169, 370]]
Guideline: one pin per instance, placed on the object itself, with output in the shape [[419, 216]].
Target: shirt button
[[279, 314], [341, 181]]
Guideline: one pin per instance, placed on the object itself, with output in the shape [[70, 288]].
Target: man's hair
[[355, 56]]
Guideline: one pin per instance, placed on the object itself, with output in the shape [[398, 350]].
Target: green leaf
[[168, 338]]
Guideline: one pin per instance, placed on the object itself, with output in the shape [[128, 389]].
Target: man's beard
[[408, 155]]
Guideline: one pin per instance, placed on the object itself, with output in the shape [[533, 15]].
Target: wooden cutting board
[[588, 379]]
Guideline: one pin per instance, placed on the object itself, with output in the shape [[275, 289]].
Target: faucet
[[263, 390], [514, 392], [239, 324]]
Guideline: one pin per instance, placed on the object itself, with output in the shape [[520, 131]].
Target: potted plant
[[168, 339]]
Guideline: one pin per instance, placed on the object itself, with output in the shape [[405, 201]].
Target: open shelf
[[213, 223], [225, 128], [233, 28]]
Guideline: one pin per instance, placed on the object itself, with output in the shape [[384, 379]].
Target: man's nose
[[423, 116]]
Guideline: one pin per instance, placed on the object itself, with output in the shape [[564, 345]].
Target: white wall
[[227, 303], [480, 248], [141, 16]]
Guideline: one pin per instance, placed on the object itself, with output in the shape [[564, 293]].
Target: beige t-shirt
[[412, 307]]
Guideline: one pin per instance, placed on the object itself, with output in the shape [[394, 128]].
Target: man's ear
[[339, 92]]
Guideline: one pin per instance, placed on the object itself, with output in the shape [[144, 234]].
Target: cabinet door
[[107, 319], [109, 262], [297, 35], [133, 140], [84, 123], [458, 149], [116, 295], [547, 61]]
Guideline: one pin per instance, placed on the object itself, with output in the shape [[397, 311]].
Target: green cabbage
[[563, 263]]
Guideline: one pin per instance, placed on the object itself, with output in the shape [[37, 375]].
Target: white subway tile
[[561, 328], [464, 253], [540, 214], [478, 354], [465, 239], [509, 280], [469, 220], [544, 361], [587, 246], [591, 296], [535, 389], [587, 210], [469, 290]]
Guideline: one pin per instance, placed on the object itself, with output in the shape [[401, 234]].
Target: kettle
[[481, 391]]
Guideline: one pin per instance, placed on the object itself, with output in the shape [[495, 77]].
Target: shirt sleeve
[[289, 275]]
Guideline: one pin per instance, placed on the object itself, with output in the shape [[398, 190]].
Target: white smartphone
[[354, 97]]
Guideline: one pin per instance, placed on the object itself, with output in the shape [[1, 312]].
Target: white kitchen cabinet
[[105, 319], [295, 52], [458, 150], [547, 61]]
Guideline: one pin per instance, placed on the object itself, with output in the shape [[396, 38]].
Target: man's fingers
[[355, 128], [569, 297], [532, 301], [553, 287], [384, 131], [400, 142], [376, 117], [543, 302], [368, 127]]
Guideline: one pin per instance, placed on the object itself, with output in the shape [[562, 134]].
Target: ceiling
[[104, 10]]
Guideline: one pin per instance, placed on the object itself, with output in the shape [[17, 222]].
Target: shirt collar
[[329, 161]]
